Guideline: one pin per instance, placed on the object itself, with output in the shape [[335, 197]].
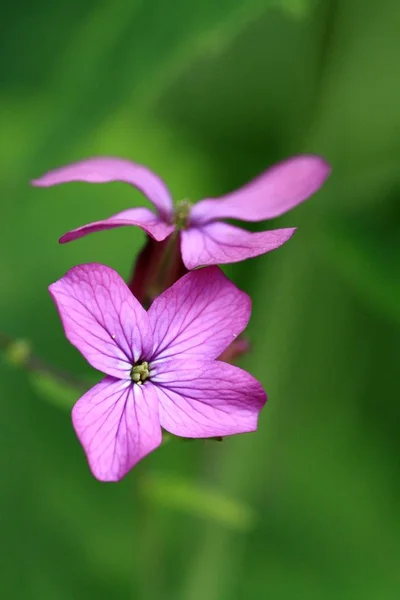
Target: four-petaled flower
[[204, 238], [161, 368]]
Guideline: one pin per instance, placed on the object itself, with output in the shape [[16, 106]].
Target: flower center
[[182, 212], [140, 372]]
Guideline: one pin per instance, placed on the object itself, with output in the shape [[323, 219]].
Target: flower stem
[[158, 266], [18, 352], [145, 269]]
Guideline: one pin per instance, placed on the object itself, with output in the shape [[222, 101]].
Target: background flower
[[205, 240]]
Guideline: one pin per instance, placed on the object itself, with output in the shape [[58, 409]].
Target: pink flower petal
[[220, 243], [207, 398], [117, 424], [141, 217], [104, 169], [199, 316], [102, 318], [268, 196]]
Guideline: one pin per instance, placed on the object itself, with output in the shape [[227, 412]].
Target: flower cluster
[[167, 367]]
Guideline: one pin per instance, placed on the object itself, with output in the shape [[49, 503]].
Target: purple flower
[[205, 238], [160, 365]]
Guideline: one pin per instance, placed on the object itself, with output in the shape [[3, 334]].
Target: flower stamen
[[140, 373], [182, 212]]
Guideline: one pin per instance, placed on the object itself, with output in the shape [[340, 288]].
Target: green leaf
[[54, 391], [367, 258], [197, 500]]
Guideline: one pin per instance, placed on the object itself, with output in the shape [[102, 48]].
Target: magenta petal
[[104, 170], [268, 196], [141, 217], [117, 424], [199, 316], [220, 243], [102, 318], [207, 398]]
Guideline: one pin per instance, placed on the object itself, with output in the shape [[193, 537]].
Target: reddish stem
[[158, 266]]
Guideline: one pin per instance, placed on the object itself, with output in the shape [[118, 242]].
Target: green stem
[[18, 352]]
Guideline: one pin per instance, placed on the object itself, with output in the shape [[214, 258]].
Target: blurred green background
[[208, 94]]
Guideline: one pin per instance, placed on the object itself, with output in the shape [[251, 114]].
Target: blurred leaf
[[54, 391], [206, 29], [197, 500], [136, 67], [50, 384], [368, 260], [355, 110], [255, 93], [297, 8]]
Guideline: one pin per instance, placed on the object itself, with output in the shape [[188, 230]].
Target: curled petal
[[207, 398], [117, 424], [268, 196], [220, 243], [102, 318], [141, 217], [105, 169], [199, 316]]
